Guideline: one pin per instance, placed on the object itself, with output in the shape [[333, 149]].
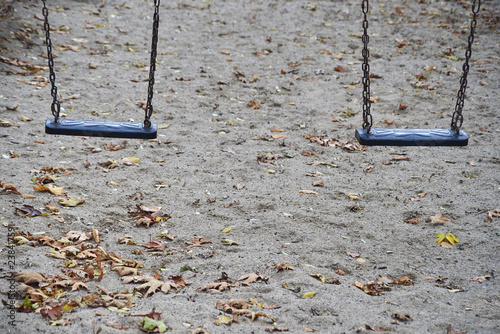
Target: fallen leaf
[[491, 214], [252, 278], [58, 191], [28, 211], [8, 188], [219, 286], [154, 245], [310, 192], [308, 295], [341, 69], [402, 316], [153, 285], [354, 197], [29, 277], [318, 183], [279, 136], [225, 320], [283, 266], [116, 325], [151, 325], [446, 237], [227, 229], [71, 201], [130, 161], [480, 279], [68, 48], [340, 272], [253, 105], [229, 242], [197, 241], [437, 219]]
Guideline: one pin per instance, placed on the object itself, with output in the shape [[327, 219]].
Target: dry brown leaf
[[220, 286], [310, 192], [197, 241], [401, 158], [318, 183], [58, 191], [339, 271], [491, 214], [283, 266], [153, 285], [341, 69], [29, 277], [116, 325], [252, 278], [437, 219], [253, 105]]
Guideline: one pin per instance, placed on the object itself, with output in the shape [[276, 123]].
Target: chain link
[[152, 66], [56, 105], [367, 117], [457, 119]]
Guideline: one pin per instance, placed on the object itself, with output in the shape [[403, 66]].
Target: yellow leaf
[[227, 229], [446, 237], [440, 237], [279, 136], [308, 295], [451, 238], [130, 161], [224, 319]]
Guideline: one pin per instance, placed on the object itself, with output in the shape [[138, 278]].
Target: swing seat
[[411, 137], [75, 127]]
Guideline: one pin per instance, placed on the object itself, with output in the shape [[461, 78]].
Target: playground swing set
[[367, 135]]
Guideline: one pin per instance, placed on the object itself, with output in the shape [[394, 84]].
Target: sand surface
[[242, 90]]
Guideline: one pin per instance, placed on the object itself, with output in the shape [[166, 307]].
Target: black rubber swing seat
[[75, 127], [412, 137]]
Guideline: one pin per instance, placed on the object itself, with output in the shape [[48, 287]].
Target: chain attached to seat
[[367, 117], [56, 105], [152, 66], [457, 119]]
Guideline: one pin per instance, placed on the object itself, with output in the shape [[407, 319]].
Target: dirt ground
[[245, 94]]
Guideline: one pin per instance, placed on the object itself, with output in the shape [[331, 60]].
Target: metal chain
[[56, 105], [152, 66], [457, 118], [367, 117]]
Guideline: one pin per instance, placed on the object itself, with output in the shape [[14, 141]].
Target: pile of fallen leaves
[[382, 284], [333, 142], [148, 216]]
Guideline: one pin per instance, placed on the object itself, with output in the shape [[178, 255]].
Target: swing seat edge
[[411, 137], [85, 128]]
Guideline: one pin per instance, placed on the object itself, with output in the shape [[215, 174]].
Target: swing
[[74, 127], [413, 137]]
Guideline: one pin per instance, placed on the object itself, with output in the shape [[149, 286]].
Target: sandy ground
[[230, 74]]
